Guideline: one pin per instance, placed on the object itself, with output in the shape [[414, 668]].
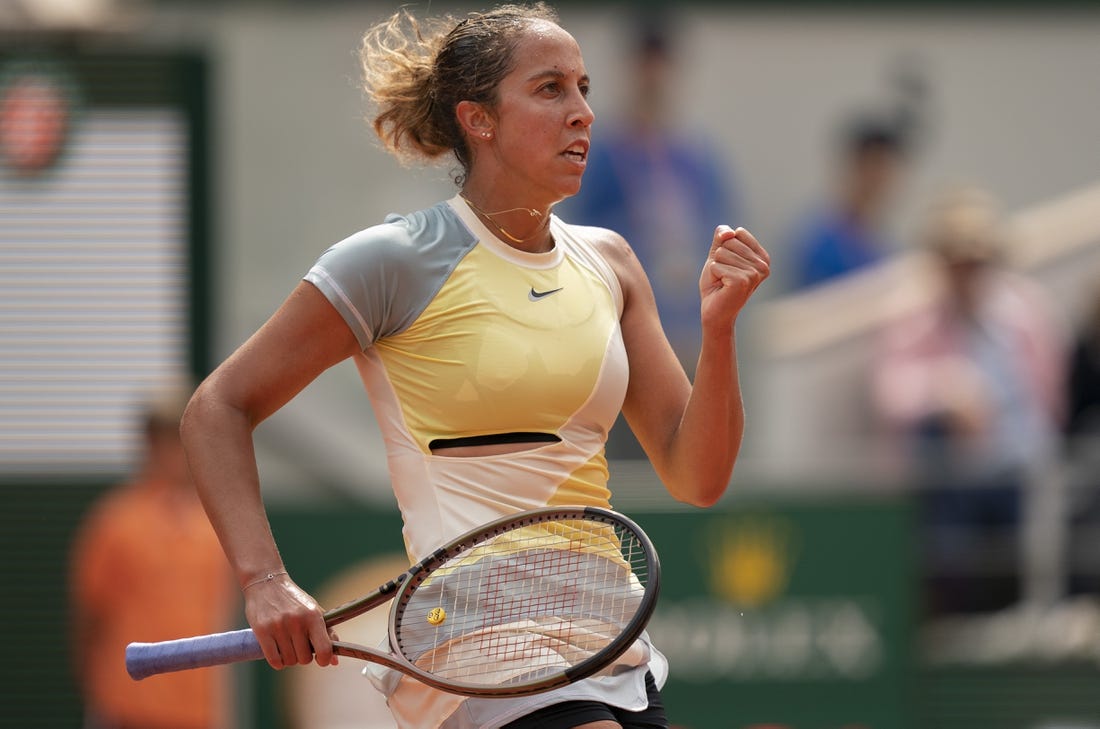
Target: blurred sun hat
[[965, 226], [164, 406]]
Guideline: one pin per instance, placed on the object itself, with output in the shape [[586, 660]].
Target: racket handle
[[147, 659]]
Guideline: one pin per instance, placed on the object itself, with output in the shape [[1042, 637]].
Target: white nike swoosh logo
[[536, 295]]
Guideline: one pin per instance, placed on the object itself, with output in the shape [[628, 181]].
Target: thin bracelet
[[266, 578]]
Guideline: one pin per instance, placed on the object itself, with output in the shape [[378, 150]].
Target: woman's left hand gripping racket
[[522, 605]]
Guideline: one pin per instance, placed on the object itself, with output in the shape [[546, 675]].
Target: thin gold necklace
[[489, 216]]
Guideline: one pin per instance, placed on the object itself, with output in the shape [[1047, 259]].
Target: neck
[[524, 228]]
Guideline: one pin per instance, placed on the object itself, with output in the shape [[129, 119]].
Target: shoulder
[[817, 228], [614, 251], [381, 278], [1022, 289], [912, 330], [1021, 299], [608, 244], [110, 512], [422, 246], [398, 237]]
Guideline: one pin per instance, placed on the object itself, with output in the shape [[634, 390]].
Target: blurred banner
[[103, 224], [102, 196], [778, 613], [792, 613]]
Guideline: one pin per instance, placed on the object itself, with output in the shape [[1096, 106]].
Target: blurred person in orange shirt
[[974, 384], [146, 566]]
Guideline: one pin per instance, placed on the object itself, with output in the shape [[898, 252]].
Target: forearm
[[221, 455], [704, 448]]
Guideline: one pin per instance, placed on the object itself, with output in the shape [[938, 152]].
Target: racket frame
[[401, 588], [422, 570]]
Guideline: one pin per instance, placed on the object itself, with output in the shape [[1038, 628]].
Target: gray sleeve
[[381, 279]]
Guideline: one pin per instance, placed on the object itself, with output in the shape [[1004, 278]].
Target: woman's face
[[542, 118]]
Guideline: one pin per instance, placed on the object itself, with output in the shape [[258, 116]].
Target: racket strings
[[534, 603]]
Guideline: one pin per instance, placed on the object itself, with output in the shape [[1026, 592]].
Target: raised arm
[[302, 339], [691, 432]]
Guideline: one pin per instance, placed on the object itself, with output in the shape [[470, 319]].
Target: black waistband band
[[493, 439]]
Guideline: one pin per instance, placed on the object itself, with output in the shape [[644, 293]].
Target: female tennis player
[[496, 341]]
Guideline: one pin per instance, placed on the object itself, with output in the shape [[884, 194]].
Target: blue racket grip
[[147, 659]]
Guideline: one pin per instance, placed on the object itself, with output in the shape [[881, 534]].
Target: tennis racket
[[521, 605]]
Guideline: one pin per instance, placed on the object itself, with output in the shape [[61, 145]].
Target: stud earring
[[486, 134]]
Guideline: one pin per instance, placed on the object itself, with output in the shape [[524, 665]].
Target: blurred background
[[912, 536]]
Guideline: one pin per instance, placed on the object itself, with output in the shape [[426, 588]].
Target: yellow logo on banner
[[750, 559]]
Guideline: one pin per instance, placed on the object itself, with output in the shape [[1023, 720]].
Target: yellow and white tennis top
[[464, 336]]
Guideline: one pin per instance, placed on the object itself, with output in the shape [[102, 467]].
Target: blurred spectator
[[146, 566], [974, 382], [1084, 379], [662, 187], [847, 233], [1082, 440]]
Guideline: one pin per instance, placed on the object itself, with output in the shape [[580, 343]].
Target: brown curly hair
[[415, 72]]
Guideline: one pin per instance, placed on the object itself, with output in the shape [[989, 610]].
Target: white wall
[[1015, 101]]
